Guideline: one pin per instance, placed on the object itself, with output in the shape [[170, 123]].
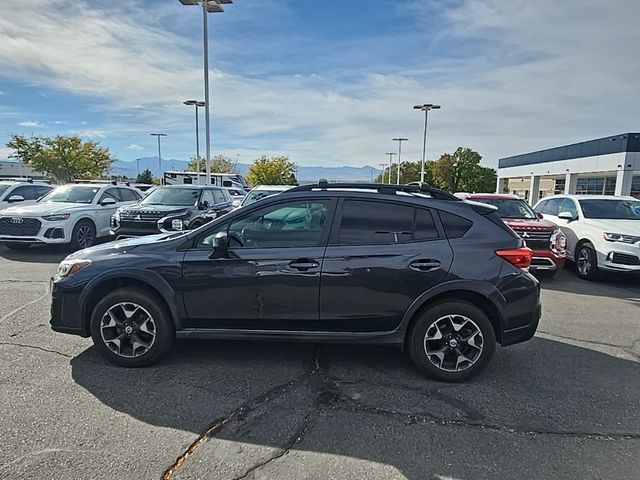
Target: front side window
[[72, 194], [128, 195], [611, 209], [218, 197], [111, 193], [183, 197], [553, 206], [207, 198], [366, 223], [569, 206], [26, 191], [292, 224], [540, 207]]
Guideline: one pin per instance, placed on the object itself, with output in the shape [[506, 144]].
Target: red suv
[[542, 236]]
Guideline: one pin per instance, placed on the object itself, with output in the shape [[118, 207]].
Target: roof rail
[[414, 187]]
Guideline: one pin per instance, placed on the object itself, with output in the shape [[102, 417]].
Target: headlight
[[57, 217], [176, 224], [117, 215], [69, 267], [620, 237]]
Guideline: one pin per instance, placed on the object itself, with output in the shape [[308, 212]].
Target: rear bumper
[[524, 333], [523, 309]]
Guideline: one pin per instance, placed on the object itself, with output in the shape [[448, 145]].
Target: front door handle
[[425, 265], [304, 264]]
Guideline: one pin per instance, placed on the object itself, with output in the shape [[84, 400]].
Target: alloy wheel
[[84, 236], [453, 343], [128, 330], [584, 261]]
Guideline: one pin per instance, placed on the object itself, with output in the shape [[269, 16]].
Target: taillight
[[518, 257]]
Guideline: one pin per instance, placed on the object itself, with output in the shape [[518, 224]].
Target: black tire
[[195, 224], [17, 246], [587, 262], [83, 235], [433, 321], [161, 327]]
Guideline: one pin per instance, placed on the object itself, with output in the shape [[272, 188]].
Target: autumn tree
[[277, 170], [462, 172], [219, 164], [63, 158], [145, 177]]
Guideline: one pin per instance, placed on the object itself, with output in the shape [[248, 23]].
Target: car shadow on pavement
[[36, 254], [259, 401], [622, 286]]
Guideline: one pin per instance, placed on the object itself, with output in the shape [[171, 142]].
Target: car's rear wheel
[[587, 262], [83, 235], [452, 341], [131, 328]]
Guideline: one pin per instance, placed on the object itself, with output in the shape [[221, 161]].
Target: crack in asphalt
[[242, 410], [24, 345], [22, 307], [293, 441], [435, 420]]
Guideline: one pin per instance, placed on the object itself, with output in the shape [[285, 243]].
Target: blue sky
[[327, 82]]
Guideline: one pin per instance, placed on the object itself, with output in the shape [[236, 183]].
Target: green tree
[[277, 170], [145, 177], [409, 172], [462, 172], [219, 164], [64, 159]]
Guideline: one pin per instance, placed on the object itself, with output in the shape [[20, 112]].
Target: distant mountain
[[305, 174]]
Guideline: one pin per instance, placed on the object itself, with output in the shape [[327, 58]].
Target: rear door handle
[[425, 265], [304, 264]]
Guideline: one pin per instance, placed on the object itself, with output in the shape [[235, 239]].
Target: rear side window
[[455, 226], [425, 228], [218, 196], [366, 223]]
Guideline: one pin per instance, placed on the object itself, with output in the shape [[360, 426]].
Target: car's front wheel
[[452, 341], [83, 235], [131, 328], [587, 262]]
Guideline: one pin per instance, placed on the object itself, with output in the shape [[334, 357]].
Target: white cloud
[[90, 133], [135, 147], [30, 123], [525, 75]]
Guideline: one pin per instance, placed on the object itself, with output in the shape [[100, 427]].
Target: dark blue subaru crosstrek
[[408, 266]]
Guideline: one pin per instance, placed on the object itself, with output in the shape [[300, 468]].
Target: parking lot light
[[158, 135], [425, 108], [197, 104], [399, 140], [391, 154]]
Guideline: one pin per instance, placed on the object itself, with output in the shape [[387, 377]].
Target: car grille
[[19, 226], [625, 259], [535, 238], [140, 225], [140, 216]]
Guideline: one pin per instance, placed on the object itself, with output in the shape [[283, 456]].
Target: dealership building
[[606, 166]]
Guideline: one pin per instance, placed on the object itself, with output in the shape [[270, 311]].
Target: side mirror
[[107, 202], [15, 199], [566, 216], [539, 216], [220, 245]]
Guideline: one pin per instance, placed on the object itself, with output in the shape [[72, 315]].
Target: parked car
[[263, 191], [603, 231], [169, 209], [408, 266], [13, 193], [237, 196], [542, 236], [74, 214]]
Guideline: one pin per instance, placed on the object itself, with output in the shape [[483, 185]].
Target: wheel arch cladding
[[101, 286]]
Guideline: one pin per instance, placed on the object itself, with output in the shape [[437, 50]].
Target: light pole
[[399, 140], [383, 166], [391, 154], [425, 108], [208, 6], [197, 104], [158, 135]]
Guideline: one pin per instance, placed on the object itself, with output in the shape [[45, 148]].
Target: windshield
[[184, 197], [510, 208], [256, 195], [3, 188], [611, 209], [71, 194]]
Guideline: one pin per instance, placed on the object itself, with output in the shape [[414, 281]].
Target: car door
[[380, 258], [569, 227], [270, 276]]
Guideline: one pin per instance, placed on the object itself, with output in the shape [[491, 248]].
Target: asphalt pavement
[[564, 405]]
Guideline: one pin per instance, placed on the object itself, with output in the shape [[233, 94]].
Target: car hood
[[627, 227], [138, 207], [44, 208], [528, 223], [122, 246]]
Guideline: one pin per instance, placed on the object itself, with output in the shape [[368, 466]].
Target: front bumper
[[52, 233], [545, 259], [619, 257], [66, 316]]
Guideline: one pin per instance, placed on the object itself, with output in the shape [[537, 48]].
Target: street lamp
[[197, 104], [399, 140], [383, 165], [208, 6], [425, 108], [159, 152], [391, 154]]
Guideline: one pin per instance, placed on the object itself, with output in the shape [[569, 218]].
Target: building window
[[635, 186], [559, 186], [590, 186], [610, 186]]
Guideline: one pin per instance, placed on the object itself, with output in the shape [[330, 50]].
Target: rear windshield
[[611, 209]]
